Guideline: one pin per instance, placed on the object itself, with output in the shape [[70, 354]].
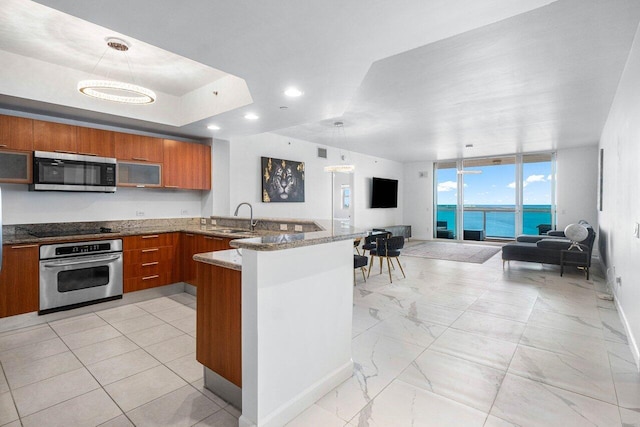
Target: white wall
[[620, 249], [21, 206], [217, 202], [246, 184], [577, 189], [418, 199]]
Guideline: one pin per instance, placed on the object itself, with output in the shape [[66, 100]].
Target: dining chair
[[388, 248]]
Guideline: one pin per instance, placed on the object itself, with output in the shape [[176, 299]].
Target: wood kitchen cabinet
[[219, 321], [15, 167], [57, 137], [138, 148], [19, 280], [95, 142], [186, 165], [150, 260], [192, 244], [16, 133]]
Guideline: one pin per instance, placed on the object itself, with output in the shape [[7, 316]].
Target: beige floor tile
[[199, 385], [122, 366], [187, 367], [105, 349], [221, 418], [4, 387], [35, 351], [21, 373], [175, 313], [35, 397], [129, 326], [119, 314], [490, 326], [136, 390], [158, 304], [172, 348], [91, 336], [186, 324], [180, 408], [90, 409], [26, 336], [154, 335], [121, 421], [8, 411], [77, 324]]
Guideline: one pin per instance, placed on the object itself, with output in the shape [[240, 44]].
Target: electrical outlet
[[297, 227], [636, 230], [139, 213], [213, 222], [283, 227], [619, 281], [184, 212], [203, 221]]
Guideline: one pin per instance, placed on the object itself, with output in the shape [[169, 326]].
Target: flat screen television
[[384, 193]]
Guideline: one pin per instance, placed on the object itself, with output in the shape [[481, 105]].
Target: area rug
[[452, 251]]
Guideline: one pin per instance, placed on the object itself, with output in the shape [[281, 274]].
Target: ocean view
[[497, 220]]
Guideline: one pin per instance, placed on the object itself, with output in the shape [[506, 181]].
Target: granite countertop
[[24, 238], [288, 241], [231, 258]]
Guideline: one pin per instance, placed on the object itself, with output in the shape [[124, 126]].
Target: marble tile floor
[[453, 344]]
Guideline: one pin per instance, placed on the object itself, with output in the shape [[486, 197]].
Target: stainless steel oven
[[80, 273]]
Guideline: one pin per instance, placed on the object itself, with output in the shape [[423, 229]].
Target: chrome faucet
[[252, 223]]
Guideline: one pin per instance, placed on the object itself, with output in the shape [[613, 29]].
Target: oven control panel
[[73, 249], [83, 249]]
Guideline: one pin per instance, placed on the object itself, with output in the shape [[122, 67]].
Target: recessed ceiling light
[[251, 116], [284, 107], [213, 127], [468, 146], [293, 92]]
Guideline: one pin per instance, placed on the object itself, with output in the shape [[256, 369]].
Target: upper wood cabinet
[[16, 133], [138, 148], [186, 165], [58, 137], [95, 142]]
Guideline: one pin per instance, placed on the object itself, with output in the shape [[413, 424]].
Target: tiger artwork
[[282, 180]]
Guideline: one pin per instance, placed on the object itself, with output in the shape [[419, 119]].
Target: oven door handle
[[89, 261]]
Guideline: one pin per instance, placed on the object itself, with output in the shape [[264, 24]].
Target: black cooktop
[[64, 233]]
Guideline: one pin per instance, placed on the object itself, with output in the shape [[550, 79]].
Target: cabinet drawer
[[149, 241], [141, 262], [146, 282]]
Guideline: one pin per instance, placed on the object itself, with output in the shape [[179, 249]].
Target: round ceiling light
[[293, 92], [251, 116], [110, 90]]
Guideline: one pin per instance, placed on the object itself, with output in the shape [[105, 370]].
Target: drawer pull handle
[[140, 186], [3, 145], [147, 264], [150, 250], [65, 151], [155, 276], [171, 186], [89, 154], [24, 246], [141, 159], [190, 235], [153, 236]]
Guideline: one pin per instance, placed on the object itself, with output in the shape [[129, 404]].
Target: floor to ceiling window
[[495, 197]]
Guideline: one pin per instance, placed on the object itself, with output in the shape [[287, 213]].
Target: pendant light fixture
[[345, 168], [113, 90]]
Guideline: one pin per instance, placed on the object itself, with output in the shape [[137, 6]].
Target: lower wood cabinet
[[191, 244], [219, 321], [19, 280], [150, 260]]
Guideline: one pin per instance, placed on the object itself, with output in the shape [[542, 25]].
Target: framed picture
[[282, 180]]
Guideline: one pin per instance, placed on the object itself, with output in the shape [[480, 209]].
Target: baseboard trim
[[302, 401], [633, 344]]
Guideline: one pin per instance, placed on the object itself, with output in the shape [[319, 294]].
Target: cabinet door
[[15, 167], [95, 142], [19, 280], [16, 133], [139, 174], [138, 148], [189, 247], [187, 165], [58, 137]]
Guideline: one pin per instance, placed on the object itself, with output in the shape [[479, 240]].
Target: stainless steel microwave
[[73, 172]]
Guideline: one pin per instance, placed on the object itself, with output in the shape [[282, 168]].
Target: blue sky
[[496, 185]]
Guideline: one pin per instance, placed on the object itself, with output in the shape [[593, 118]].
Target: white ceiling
[[412, 79]]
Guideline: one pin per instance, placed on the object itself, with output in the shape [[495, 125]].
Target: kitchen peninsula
[[274, 321]]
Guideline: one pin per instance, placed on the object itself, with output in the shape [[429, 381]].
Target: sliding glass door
[[495, 197]]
